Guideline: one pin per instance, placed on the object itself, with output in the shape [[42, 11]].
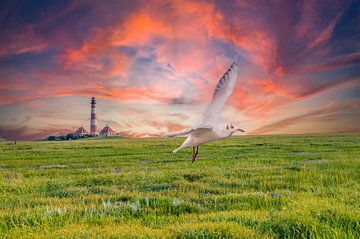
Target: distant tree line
[[68, 137]]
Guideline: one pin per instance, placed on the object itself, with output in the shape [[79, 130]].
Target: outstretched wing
[[186, 132], [222, 92], [181, 133]]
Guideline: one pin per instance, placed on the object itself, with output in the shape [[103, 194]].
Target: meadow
[[293, 186]]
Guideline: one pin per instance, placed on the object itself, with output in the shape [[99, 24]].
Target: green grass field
[[303, 186]]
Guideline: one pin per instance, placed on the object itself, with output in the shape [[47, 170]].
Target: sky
[[153, 65]]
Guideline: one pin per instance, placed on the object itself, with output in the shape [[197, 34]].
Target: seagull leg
[[195, 153]]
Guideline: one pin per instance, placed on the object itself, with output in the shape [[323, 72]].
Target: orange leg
[[195, 153]]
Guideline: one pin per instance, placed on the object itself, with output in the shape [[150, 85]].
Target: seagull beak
[[241, 130]]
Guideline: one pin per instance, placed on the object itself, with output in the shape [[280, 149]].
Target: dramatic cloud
[[162, 59], [331, 111]]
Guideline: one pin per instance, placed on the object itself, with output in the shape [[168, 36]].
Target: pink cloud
[[326, 34]]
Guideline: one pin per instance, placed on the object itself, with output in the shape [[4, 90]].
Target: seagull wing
[[181, 133], [186, 132], [223, 90]]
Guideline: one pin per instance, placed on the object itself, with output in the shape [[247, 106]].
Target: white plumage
[[211, 128]]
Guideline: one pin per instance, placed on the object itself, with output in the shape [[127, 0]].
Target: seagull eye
[[227, 127], [231, 126]]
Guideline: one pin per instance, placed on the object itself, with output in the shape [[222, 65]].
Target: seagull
[[211, 127]]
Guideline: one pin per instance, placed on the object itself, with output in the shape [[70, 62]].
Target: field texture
[[305, 186]]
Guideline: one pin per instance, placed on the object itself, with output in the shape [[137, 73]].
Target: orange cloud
[[90, 56], [270, 86], [139, 29]]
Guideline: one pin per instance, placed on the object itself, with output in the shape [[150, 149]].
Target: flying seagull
[[211, 127]]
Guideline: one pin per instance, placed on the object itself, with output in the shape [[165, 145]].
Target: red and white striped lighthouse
[[93, 117]]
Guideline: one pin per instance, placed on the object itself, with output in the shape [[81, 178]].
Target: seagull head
[[230, 129]]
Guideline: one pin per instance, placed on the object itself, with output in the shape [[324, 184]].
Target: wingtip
[[233, 65]]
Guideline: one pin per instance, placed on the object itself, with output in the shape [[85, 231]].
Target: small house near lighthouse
[[107, 131], [80, 132]]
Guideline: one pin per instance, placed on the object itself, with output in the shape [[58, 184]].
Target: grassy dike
[[296, 186]]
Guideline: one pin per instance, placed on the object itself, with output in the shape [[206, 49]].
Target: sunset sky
[[152, 65]]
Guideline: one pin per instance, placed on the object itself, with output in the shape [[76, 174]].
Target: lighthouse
[[93, 117]]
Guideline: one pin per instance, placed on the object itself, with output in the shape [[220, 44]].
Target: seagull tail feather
[[181, 147], [184, 144]]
